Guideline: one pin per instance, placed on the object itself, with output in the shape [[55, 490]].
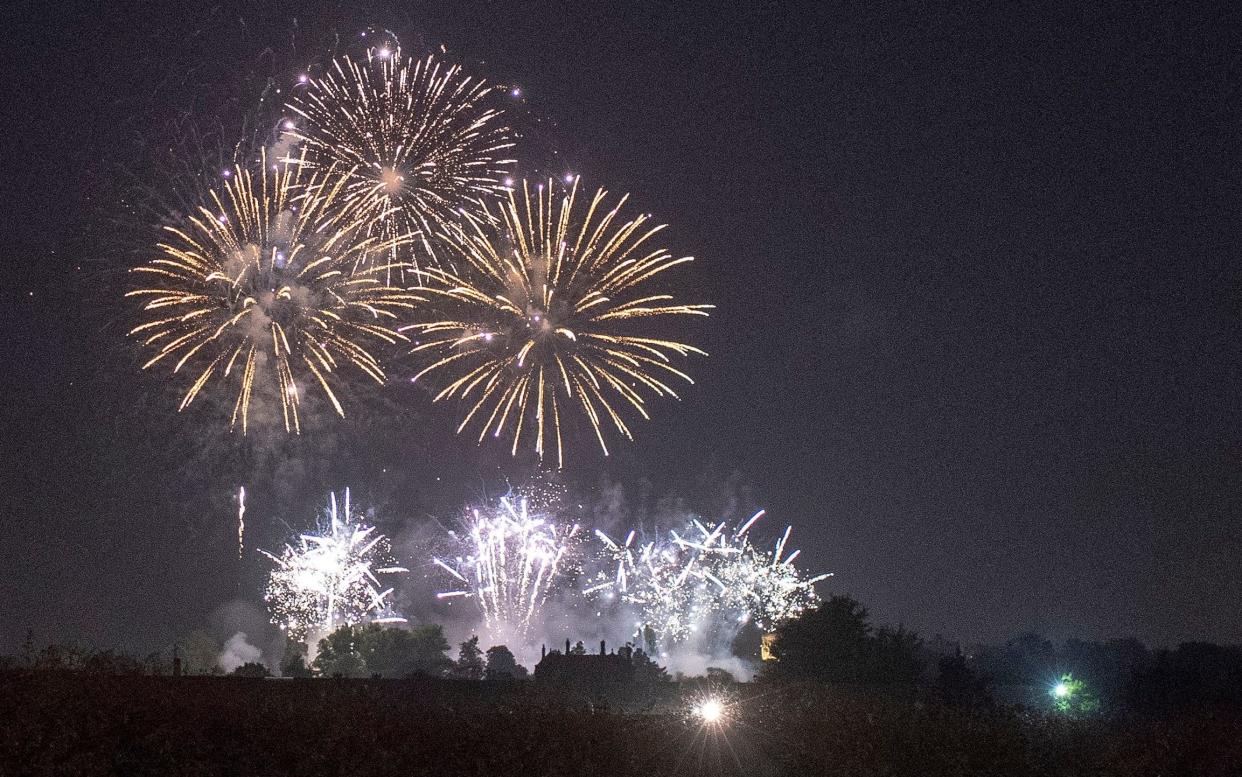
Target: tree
[[251, 669], [826, 643], [294, 662], [340, 655], [428, 649], [748, 643], [392, 652], [1195, 676], [645, 669], [649, 639], [957, 685], [834, 643], [1070, 696], [501, 665], [469, 660], [893, 657]]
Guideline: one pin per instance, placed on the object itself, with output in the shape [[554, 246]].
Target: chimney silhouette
[[567, 646], [543, 652], [601, 647], [176, 661]]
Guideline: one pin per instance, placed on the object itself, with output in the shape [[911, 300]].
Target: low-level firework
[[423, 142], [705, 577], [330, 578], [269, 288], [509, 560], [547, 317]]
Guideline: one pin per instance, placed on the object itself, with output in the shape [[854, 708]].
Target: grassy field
[[66, 724]]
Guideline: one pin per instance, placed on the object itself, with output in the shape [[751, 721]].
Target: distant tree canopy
[[251, 669], [834, 642], [501, 665], [958, 685], [371, 649], [1197, 675]]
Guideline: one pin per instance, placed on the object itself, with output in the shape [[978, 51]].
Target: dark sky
[[976, 269]]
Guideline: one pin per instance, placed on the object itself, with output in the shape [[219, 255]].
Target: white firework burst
[[330, 578]]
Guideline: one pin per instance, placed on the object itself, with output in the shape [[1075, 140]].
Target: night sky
[[976, 271]]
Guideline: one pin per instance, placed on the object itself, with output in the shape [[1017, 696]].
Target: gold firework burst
[[270, 284], [542, 318], [419, 137]]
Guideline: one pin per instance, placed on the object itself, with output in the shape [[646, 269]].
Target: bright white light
[[516, 92], [384, 52], [303, 78], [289, 124], [711, 711], [1061, 690], [569, 177]]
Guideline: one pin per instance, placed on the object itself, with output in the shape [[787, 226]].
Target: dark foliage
[[373, 650], [957, 685], [251, 669], [835, 643], [501, 665], [1195, 676], [469, 661]]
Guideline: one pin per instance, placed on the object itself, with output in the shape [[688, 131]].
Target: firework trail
[[269, 287], [509, 561], [689, 581], [420, 142], [541, 319], [330, 577], [241, 520]]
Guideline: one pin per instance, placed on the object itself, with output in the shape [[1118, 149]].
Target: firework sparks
[[510, 561], [539, 322], [687, 581], [330, 578], [241, 520], [269, 287], [422, 145]]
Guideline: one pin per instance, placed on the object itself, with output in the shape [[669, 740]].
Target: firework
[[331, 577], [764, 586], [241, 520], [509, 561], [269, 288], [541, 320], [420, 142], [705, 577]]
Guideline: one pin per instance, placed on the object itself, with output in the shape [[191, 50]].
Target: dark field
[[69, 724]]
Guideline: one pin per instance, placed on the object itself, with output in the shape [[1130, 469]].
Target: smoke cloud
[[238, 651]]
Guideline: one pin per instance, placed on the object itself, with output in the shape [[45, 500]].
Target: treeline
[[836, 643], [833, 643]]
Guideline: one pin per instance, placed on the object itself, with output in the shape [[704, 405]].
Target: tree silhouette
[[957, 685], [251, 669], [502, 665], [469, 660], [834, 643]]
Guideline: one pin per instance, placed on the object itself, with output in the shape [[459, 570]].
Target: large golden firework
[[423, 141], [542, 317], [271, 285]]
